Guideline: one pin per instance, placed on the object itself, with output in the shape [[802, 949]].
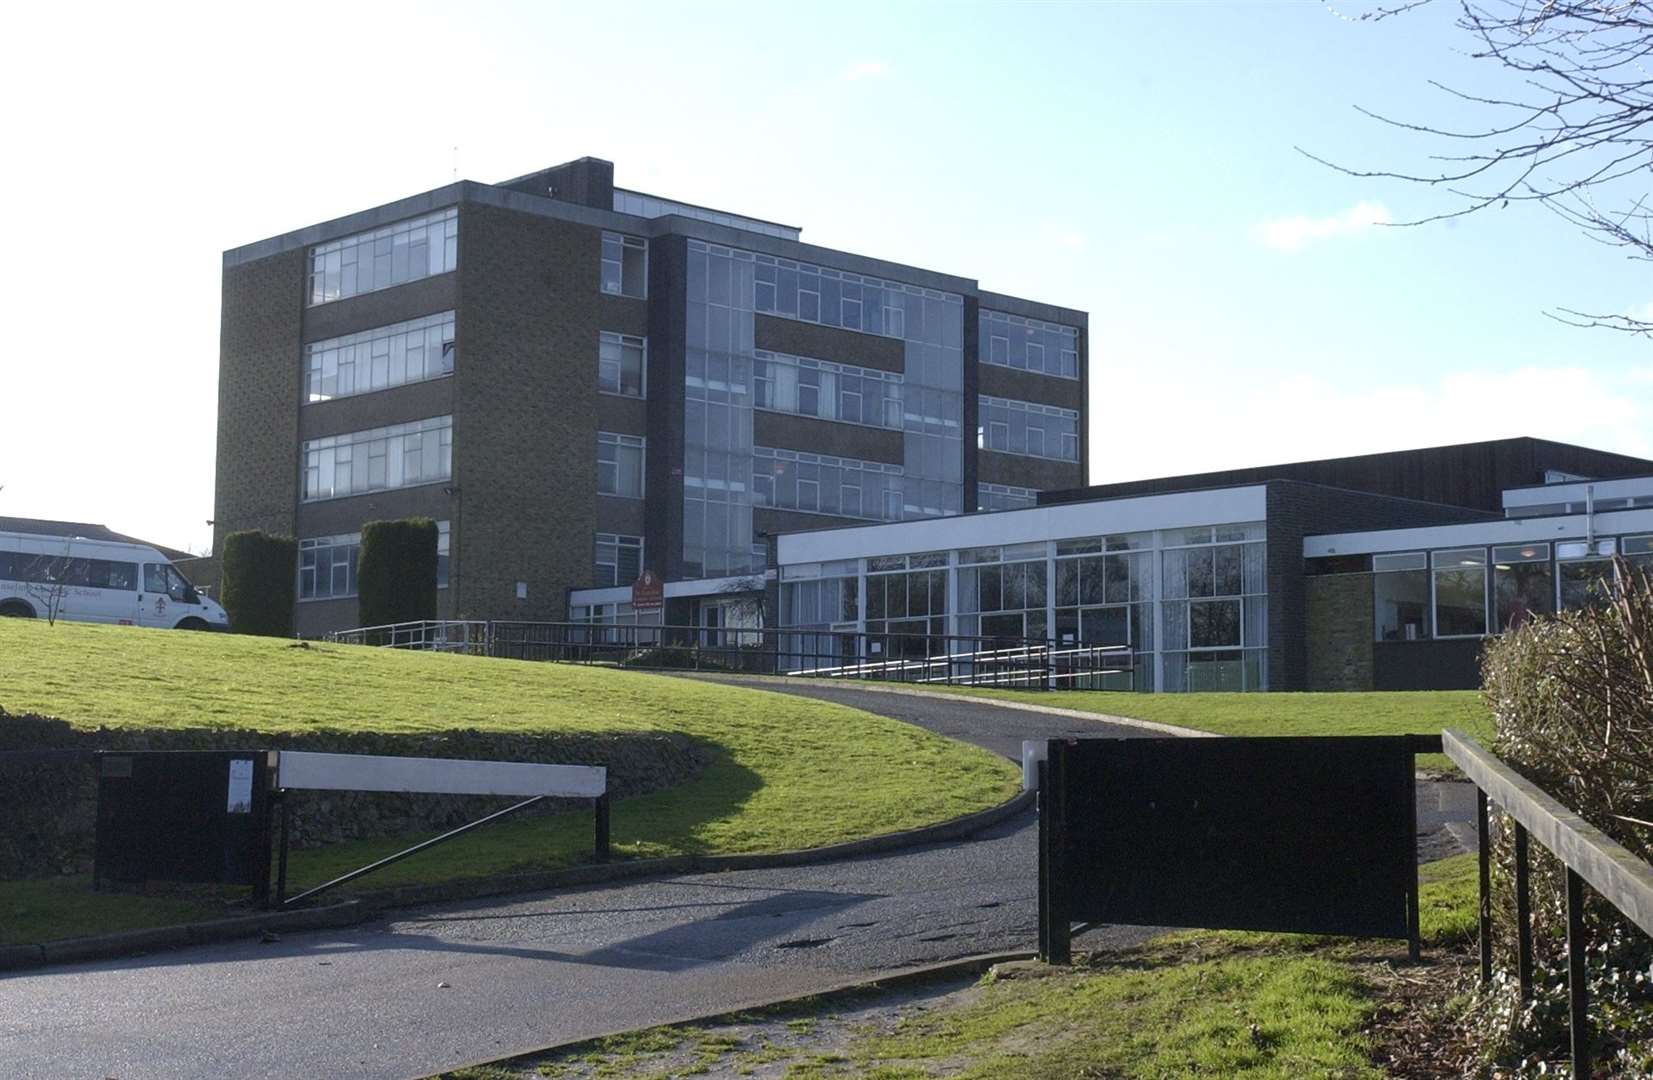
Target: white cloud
[[1296, 233], [866, 69]]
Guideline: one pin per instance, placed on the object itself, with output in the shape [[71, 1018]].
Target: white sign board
[[437, 776], [241, 786]]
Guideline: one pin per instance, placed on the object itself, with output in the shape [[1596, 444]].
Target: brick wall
[[258, 393], [1296, 510], [1338, 624], [525, 429]]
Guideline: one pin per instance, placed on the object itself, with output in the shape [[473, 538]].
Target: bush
[[259, 580], [396, 571], [1572, 702]]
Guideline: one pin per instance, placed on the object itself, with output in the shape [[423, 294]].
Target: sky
[[1142, 162]]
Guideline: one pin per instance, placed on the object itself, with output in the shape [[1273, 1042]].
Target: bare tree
[[46, 580], [1574, 131]]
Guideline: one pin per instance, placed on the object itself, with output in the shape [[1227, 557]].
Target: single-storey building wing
[[1383, 571]]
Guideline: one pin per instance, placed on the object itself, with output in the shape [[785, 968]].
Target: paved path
[[370, 1001], [367, 1001]]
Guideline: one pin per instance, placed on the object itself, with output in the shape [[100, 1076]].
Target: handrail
[[1610, 868], [1587, 853]]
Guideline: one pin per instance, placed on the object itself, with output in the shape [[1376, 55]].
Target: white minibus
[[70, 577]]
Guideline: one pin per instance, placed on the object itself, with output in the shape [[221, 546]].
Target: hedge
[[396, 571], [259, 581]]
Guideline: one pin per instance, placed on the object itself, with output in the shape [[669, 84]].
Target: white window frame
[[619, 440], [617, 541], [625, 241], [621, 342]]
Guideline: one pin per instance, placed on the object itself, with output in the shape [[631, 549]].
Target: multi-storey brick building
[[580, 382]]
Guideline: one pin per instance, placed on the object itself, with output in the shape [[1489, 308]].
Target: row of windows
[[828, 391], [820, 484], [620, 464], [1028, 344], [819, 294], [402, 455], [1460, 593], [1021, 427], [69, 571], [327, 564], [394, 255], [404, 352], [1004, 497]]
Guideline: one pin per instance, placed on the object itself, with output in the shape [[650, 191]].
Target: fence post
[[601, 808], [1484, 844], [1578, 989], [1523, 915]]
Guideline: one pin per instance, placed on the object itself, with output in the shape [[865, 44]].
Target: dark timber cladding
[[1467, 474], [520, 404]]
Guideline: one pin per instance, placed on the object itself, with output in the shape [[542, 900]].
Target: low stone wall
[[48, 813]]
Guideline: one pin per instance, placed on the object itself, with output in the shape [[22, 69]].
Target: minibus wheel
[[16, 609]]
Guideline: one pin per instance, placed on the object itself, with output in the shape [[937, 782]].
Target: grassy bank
[[1256, 1006], [787, 772], [1423, 712]]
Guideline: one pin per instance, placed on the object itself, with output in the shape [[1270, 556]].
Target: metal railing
[[920, 658], [437, 635], [1588, 854]]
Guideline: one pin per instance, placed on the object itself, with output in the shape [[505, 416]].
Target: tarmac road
[[436, 987]]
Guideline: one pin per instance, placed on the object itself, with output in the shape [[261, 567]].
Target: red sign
[[648, 593]]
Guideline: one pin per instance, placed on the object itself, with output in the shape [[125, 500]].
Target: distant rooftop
[[82, 530]]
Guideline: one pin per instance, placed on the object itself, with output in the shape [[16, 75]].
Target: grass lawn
[[1256, 1006], [788, 772], [1422, 712]]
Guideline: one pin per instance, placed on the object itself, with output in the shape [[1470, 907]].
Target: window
[[821, 484], [620, 465], [1583, 569], [619, 559], [807, 387], [405, 352], [394, 255], [625, 266], [1638, 552], [1400, 596], [1522, 584], [402, 455], [1022, 427], [1028, 345], [163, 578], [1460, 592], [327, 566], [442, 554], [1004, 497], [621, 362]]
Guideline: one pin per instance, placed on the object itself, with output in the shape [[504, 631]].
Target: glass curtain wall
[[1104, 596], [717, 431], [906, 604], [1002, 592], [726, 287], [1215, 610]]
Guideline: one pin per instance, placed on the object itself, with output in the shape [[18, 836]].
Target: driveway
[[431, 988]]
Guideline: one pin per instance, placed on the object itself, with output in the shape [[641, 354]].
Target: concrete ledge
[[158, 938], [966, 965]]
